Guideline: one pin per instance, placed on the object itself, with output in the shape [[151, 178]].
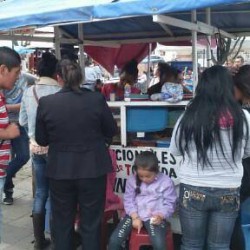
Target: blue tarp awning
[[233, 18], [22, 13]]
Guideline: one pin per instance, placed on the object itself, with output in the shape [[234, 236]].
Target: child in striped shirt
[[9, 71]]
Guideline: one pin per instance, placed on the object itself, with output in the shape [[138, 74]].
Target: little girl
[[149, 200]]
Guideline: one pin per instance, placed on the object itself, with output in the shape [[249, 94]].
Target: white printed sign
[[125, 158]]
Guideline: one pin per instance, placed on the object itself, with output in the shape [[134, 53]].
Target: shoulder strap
[[35, 94]]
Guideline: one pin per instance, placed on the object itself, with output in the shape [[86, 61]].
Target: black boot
[[39, 226]]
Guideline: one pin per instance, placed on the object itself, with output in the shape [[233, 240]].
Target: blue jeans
[[2, 181], [207, 217], [39, 163], [20, 156], [157, 234]]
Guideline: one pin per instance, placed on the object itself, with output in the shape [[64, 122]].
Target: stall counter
[[125, 155], [124, 105]]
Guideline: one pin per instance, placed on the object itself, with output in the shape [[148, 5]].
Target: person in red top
[[9, 71], [129, 75]]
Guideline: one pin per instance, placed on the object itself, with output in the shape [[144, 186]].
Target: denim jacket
[[27, 117]]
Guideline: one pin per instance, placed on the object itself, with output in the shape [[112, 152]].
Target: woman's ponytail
[[71, 74], [138, 185]]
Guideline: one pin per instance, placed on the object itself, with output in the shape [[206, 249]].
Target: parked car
[[153, 59]]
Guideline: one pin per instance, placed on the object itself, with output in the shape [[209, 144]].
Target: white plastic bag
[[172, 92]]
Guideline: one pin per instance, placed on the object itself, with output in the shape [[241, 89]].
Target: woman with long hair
[[46, 85], [128, 76], [166, 74], [76, 124], [212, 138]]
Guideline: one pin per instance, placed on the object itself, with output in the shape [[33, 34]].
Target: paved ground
[[17, 224]]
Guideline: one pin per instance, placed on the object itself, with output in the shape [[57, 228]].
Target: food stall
[[113, 23], [144, 126]]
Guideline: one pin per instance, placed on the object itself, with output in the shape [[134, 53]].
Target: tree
[[224, 49]]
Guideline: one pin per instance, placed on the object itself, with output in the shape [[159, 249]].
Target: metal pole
[[35, 62], [57, 42], [194, 52], [208, 21], [204, 58], [149, 54], [12, 40], [81, 49], [123, 125]]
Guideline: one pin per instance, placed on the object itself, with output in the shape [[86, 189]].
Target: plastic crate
[[173, 117], [163, 143], [143, 143], [138, 97], [146, 119]]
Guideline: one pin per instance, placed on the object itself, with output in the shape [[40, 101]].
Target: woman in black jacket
[[76, 124]]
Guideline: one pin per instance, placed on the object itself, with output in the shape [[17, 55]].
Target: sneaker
[[8, 200]]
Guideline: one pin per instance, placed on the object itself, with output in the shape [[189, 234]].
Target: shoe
[[8, 200], [42, 245]]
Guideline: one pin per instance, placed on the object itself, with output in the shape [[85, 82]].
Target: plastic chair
[[142, 239]]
